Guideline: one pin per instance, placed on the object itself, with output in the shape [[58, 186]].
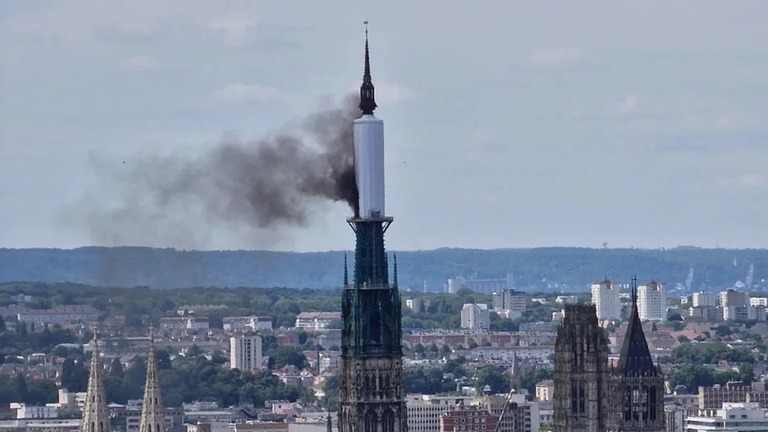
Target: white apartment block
[[652, 301], [758, 301], [316, 320], [732, 417], [417, 305], [702, 298], [245, 353], [605, 296], [247, 323], [475, 316], [545, 390], [424, 411], [509, 302]]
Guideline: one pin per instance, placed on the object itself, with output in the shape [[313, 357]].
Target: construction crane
[[504, 410]]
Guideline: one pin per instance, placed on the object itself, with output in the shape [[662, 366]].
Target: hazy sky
[[511, 124]]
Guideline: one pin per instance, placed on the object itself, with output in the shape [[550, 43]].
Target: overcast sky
[[511, 124]]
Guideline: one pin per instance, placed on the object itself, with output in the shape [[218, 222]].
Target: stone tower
[[581, 393], [95, 414], [371, 397], [152, 419], [638, 385]]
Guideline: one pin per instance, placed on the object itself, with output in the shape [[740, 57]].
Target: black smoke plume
[[263, 184]]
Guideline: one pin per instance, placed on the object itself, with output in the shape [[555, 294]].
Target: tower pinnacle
[[95, 416], [367, 97], [152, 409]]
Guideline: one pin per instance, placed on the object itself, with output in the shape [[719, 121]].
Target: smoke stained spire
[[263, 184]]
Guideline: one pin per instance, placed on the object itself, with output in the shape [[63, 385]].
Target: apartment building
[[605, 297], [245, 353], [475, 316], [652, 301]]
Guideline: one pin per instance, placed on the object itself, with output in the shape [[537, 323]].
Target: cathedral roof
[[635, 356]]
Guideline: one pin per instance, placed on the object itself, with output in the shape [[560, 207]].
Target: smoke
[[263, 184]]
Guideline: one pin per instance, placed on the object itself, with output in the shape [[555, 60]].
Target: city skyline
[[526, 125]]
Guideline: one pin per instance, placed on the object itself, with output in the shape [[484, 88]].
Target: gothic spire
[[152, 419], [635, 358], [95, 416], [367, 97]]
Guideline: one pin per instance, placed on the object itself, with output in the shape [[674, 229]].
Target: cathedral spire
[[635, 358], [152, 419], [95, 416], [367, 97]]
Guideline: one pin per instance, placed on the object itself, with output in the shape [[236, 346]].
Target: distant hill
[[568, 269]]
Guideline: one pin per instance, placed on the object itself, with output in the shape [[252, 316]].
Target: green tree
[[491, 377], [20, 387], [287, 355]]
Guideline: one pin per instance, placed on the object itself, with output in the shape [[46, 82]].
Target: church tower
[[581, 394], [371, 393], [95, 414], [152, 419], [638, 384]]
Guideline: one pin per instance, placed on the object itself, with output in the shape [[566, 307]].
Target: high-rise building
[[637, 385], [152, 416], [245, 352], [652, 301], [702, 298], [605, 297], [371, 396], [95, 415], [475, 316], [509, 303], [581, 372]]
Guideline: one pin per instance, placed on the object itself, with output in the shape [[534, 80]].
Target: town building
[[245, 353], [731, 417], [607, 301], [545, 390], [464, 418], [247, 323], [316, 320], [184, 323], [652, 301], [59, 315], [509, 303], [521, 415], [703, 298], [424, 411], [475, 316]]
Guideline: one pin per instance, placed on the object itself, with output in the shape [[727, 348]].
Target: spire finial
[[634, 290], [367, 97]]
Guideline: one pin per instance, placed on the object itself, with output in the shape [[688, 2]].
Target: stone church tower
[[581, 378], [638, 385]]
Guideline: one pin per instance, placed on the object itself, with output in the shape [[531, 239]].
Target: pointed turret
[[635, 356], [367, 96], [152, 419], [346, 272], [95, 415], [394, 271]]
